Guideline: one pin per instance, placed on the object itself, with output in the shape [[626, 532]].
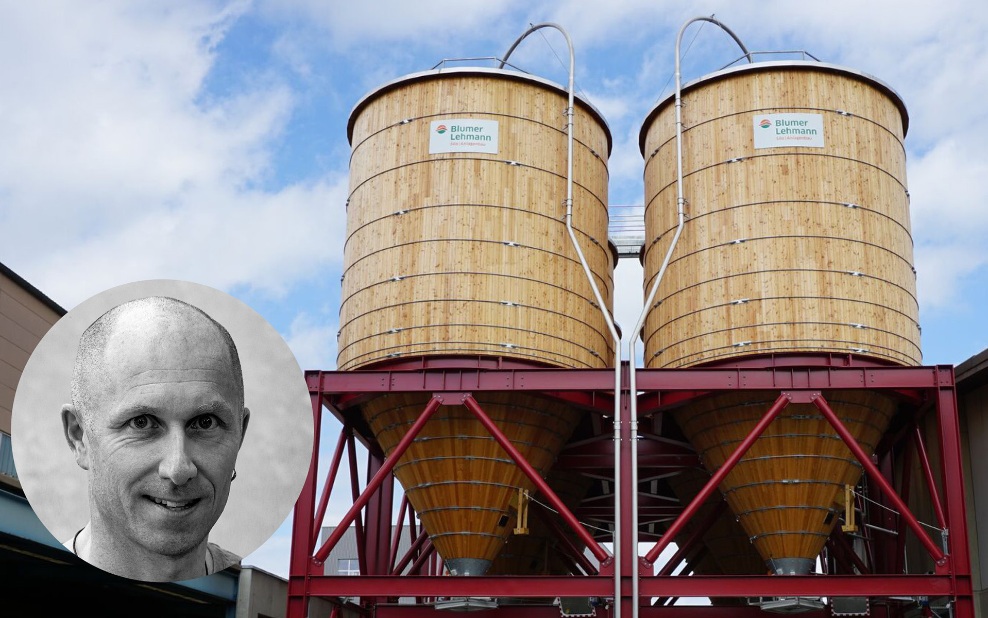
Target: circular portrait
[[162, 430]]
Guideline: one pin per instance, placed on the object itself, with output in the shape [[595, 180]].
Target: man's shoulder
[[221, 557]]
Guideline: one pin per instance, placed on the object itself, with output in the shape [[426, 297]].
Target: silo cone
[[457, 256], [797, 245]]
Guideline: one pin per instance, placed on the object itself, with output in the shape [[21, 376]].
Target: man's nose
[[176, 465]]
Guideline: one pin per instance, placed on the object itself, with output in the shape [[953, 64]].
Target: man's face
[[164, 434]]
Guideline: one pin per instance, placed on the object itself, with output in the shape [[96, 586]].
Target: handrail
[[635, 332], [600, 303]]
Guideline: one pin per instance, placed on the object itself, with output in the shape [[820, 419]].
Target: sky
[[206, 140]]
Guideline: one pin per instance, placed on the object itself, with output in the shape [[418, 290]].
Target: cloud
[[950, 221], [313, 341], [430, 21], [119, 158]]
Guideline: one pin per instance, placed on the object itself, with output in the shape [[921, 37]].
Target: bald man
[[157, 418]]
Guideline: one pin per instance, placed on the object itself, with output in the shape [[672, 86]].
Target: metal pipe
[[603, 309], [635, 332]]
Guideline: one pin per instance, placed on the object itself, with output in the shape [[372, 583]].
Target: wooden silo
[[796, 243], [457, 250]]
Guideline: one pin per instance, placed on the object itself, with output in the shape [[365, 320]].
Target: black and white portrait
[[162, 430]]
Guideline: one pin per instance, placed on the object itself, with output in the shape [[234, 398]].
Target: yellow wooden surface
[[539, 552], [462, 484], [467, 253], [784, 491], [792, 249]]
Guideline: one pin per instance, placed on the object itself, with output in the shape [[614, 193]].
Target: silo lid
[[777, 65], [469, 71]]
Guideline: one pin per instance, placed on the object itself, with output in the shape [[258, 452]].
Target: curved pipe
[[600, 303], [636, 331]]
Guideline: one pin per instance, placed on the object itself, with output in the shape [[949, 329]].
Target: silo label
[[463, 135], [781, 130]]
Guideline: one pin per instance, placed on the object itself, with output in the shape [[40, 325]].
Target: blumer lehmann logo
[[765, 123], [441, 129]]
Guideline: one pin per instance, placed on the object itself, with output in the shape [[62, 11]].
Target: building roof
[[7, 272], [973, 372]]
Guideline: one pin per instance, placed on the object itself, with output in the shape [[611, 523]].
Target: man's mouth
[[174, 505]]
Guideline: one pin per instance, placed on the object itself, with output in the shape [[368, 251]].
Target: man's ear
[[74, 428], [243, 425]]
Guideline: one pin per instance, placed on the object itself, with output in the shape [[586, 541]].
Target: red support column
[[953, 473], [302, 525], [358, 521], [380, 523]]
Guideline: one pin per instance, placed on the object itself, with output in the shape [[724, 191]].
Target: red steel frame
[[385, 576]]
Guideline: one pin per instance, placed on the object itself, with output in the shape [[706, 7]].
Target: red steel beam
[[595, 548], [603, 586], [550, 611], [690, 511], [692, 541], [953, 475], [297, 605], [358, 522], [905, 485], [416, 544], [667, 380], [327, 488], [378, 479], [924, 461], [428, 550], [402, 510], [876, 476], [569, 548], [380, 520]]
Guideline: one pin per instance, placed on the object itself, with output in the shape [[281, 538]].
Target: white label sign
[[463, 135], [781, 130]]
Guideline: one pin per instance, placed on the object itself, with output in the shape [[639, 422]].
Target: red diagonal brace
[[595, 548], [687, 548], [327, 489], [415, 546], [928, 472], [378, 479], [569, 548], [690, 511], [876, 476], [397, 532]]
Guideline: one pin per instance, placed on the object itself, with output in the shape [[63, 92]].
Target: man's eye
[[206, 421], [140, 422]]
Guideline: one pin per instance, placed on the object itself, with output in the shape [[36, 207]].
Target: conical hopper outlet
[[462, 484], [784, 491]]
